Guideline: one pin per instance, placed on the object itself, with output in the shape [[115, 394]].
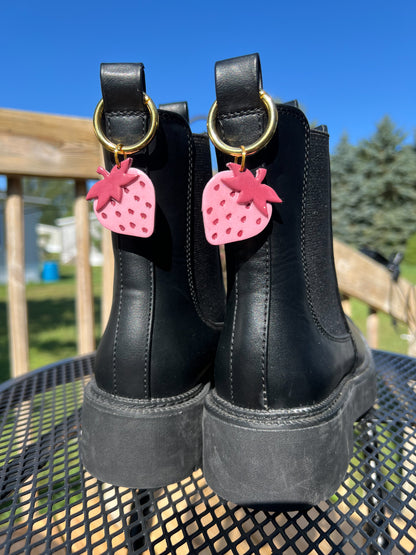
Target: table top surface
[[50, 504]]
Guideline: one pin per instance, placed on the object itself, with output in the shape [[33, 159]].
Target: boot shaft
[[286, 342], [168, 294]]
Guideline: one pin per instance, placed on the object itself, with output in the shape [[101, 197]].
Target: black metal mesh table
[[49, 504]]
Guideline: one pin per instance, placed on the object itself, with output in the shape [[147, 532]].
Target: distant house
[[32, 214], [68, 249]]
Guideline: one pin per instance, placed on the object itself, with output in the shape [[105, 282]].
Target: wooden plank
[[15, 253], [412, 343], [346, 305], [372, 328], [46, 145], [107, 277], [84, 294], [364, 279]]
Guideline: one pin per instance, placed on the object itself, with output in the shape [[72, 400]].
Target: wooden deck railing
[[42, 145], [361, 278]]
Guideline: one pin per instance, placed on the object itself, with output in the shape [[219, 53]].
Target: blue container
[[50, 271]]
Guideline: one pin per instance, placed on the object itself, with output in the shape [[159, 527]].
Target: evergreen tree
[[374, 184], [347, 185]]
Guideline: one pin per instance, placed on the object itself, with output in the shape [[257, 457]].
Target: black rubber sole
[[280, 458], [141, 444]]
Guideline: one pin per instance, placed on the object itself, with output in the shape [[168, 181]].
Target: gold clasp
[[243, 158], [119, 150]]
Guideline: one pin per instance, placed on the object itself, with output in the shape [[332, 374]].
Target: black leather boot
[[291, 374], [141, 420]]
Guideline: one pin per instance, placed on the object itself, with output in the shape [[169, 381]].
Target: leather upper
[[178, 108], [163, 328], [286, 342]]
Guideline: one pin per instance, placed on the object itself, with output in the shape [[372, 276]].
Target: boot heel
[[283, 457], [141, 444]]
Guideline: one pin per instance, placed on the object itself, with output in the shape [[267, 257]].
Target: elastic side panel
[[317, 231], [206, 260]]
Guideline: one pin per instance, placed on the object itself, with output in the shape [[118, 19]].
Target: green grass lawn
[[52, 333], [51, 314]]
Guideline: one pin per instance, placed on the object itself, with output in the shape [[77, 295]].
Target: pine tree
[[374, 200], [346, 193]]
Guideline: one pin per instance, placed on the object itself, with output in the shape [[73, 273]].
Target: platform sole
[[279, 458], [141, 444]]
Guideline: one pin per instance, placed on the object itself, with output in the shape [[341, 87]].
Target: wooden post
[[15, 249], [107, 277], [372, 328], [411, 320], [84, 295], [412, 347], [412, 343], [346, 305]]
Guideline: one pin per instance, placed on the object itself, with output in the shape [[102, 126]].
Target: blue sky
[[348, 63]]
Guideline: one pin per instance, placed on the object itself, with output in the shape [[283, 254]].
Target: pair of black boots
[[269, 397]]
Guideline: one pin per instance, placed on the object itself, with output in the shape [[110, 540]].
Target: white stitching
[[265, 325], [118, 320], [233, 335]]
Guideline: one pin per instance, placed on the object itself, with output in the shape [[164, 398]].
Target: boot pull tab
[[236, 204], [125, 115], [241, 113], [237, 84], [121, 85], [125, 122], [243, 119]]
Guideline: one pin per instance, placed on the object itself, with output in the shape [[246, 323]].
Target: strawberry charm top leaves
[[111, 187], [250, 187]]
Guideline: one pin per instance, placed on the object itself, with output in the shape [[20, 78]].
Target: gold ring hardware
[[126, 149], [119, 150], [243, 158], [254, 147]]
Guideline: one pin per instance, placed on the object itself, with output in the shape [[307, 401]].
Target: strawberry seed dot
[[243, 219], [229, 216], [209, 210], [228, 230], [113, 202], [258, 221], [148, 205], [118, 214], [215, 221], [122, 227], [240, 233], [222, 202], [126, 190], [142, 183], [216, 187], [143, 215], [132, 225], [104, 215], [214, 236], [136, 198], [131, 211], [144, 229], [232, 194]]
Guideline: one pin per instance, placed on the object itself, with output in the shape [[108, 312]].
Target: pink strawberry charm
[[124, 201], [236, 205]]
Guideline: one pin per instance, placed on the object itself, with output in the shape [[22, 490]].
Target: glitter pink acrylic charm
[[236, 205], [124, 201]]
